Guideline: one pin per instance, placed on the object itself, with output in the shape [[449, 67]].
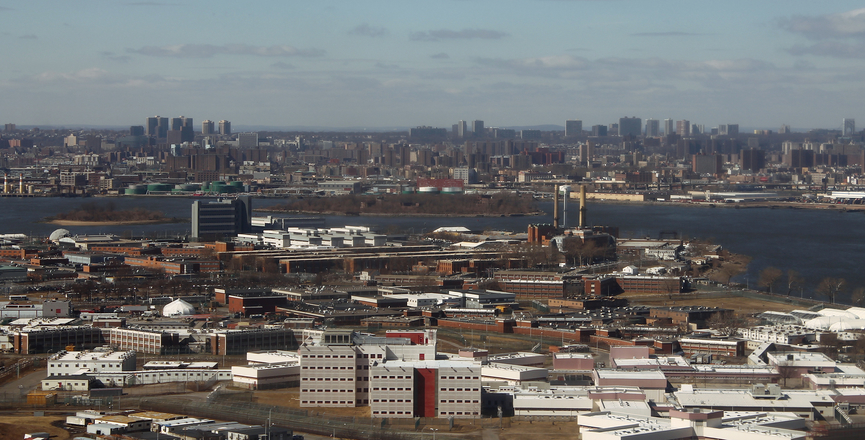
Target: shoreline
[[739, 205], [387, 214], [112, 223]]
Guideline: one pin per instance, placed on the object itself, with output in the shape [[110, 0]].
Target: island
[[413, 204], [90, 214]]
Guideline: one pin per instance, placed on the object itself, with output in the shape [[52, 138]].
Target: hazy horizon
[[337, 64]]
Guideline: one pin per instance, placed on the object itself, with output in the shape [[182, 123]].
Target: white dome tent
[[178, 307]]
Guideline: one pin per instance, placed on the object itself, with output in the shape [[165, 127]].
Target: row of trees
[[775, 280], [408, 204], [107, 212]]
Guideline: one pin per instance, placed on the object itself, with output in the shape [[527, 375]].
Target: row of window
[[325, 402], [458, 401], [391, 377], [327, 379], [390, 400], [307, 367], [459, 389], [461, 377], [458, 413], [328, 390], [391, 389], [391, 412]]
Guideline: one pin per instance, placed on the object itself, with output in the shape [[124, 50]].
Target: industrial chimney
[[582, 206], [556, 208]]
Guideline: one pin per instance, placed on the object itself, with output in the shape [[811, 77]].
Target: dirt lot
[[14, 426]]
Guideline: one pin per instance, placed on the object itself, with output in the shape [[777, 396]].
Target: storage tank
[[427, 190], [407, 190], [136, 189], [452, 190], [159, 187]]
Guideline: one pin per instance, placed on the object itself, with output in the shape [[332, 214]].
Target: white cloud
[[843, 25]]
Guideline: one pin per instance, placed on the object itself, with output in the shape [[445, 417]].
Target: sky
[[387, 63]]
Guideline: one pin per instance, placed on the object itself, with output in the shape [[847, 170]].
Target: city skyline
[[339, 64]]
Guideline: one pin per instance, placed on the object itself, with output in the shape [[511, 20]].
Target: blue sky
[[404, 63]]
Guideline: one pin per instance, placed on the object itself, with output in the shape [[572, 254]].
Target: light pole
[[434, 432]]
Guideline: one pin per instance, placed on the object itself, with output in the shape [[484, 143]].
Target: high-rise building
[[728, 130], [652, 128], [848, 126], [224, 127], [573, 127], [176, 123], [668, 127], [613, 129], [9, 127], [599, 130], [152, 126], [683, 128], [136, 130], [161, 127], [632, 126], [697, 129], [207, 127], [478, 129], [185, 122], [785, 129], [462, 129]]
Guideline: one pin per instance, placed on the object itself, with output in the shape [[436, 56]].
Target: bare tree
[[794, 280], [726, 272], [857, 298], [769, 277], [830, 287], [725, 323]]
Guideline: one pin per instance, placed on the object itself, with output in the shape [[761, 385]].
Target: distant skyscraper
[[683, 128], [176, 123], [652, 128], [136, 130], [573, 127], [785, 129], [152, 126], [224, 127], [668, 127], [848, 126], [462, 129], [697, 129], [599, 130], [186, 122], [632, 126], [207, 127], [478, 129], [162, 127], [728, 129]]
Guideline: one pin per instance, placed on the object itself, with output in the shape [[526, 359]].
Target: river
[[815, 243]]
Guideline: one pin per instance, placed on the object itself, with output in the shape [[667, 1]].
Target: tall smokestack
[[582, 206], [556, 208], [20, 184]]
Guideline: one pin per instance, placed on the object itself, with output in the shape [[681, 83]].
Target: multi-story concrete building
[[425, 389], [224, 217], [335, 364]]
